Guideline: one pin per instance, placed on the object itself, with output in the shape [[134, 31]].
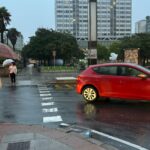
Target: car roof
[[122, 64], [114, 64]]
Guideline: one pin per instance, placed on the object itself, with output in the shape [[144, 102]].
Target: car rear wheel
[[89, 93]]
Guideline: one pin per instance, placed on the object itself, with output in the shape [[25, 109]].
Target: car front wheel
[[90, 94]]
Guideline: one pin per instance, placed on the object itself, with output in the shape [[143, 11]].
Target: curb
[[12, 133]]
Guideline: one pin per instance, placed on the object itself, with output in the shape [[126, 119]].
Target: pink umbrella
[[7, 52]]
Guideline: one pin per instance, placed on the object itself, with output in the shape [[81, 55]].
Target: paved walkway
[[26, 76], [28, 137], [21, 137]]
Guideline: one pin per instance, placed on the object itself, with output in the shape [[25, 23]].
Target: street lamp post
[[92, 32], [75, 21], [54, 55]]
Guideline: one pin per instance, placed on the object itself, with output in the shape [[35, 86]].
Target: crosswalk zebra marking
[[43, 89], [47, 104], [47, 98], [46, 94], [47, 110], [42, 92], [52, 119]]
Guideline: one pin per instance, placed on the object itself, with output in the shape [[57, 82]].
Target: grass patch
[[58, 68]]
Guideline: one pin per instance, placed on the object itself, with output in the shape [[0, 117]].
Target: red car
[[114, 80]]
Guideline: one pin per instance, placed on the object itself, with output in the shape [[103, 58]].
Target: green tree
[[141, 41], [4, 21], [115, 47], [12, 36], [144, 46], [42, 45], [102, 53]]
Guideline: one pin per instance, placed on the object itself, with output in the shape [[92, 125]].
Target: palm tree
[[4, 21], [12, 36]]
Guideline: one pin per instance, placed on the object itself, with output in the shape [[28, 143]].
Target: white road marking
[[47, 98], [47, 110], [43, 89], [45, 94], [52, 119], [119, 140], [65, 78], [47, 104]]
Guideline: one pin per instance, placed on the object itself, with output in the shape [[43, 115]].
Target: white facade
[[148, 24], [72, 16], [113, 18], [140, 26]]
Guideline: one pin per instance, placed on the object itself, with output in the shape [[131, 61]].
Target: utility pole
[[54, 55], [92, 32]]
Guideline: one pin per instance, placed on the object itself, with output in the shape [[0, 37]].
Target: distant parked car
[[114, 80]]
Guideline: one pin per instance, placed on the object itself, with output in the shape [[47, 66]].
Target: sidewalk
[[23, 137], [36, 137], [26, 76]]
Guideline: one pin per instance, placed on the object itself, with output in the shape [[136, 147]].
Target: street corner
[[40, 137], [21, 137]]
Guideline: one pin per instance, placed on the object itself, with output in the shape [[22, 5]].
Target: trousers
[[13, 77]]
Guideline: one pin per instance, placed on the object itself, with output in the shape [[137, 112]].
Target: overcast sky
[[28, 15]]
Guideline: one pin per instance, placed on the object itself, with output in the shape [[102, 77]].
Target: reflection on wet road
[[127, 120], [41, 105], [20, 105]]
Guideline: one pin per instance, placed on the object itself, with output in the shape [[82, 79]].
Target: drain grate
[[19, 146]]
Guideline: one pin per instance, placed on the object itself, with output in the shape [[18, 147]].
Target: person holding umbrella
[[12, 72]]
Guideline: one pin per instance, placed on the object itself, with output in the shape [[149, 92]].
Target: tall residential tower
[[113, 19]]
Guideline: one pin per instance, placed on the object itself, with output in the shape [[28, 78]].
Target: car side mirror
[[142, 76]]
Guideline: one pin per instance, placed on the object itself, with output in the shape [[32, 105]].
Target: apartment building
[[143, 26], [113, 19], [140, 26], [148, 24]]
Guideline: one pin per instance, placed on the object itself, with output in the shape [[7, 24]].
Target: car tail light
[[78, 79]]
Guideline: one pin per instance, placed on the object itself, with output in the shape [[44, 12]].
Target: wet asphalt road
[[29, 105], [20, 105]]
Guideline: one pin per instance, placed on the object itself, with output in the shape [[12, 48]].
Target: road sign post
[[54, 55]]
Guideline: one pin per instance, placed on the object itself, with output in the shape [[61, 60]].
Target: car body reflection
[[127, 120], [115, 112]]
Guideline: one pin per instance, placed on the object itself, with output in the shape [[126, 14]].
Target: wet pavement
[[19, 133], [115, 118], [21, 137]]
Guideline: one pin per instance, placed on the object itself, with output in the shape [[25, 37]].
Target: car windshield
[[143, 68]]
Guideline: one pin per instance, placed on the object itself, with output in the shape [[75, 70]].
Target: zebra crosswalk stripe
[[47, 104], [46, 97], [47, 110], [52, 119], [45, 94]]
